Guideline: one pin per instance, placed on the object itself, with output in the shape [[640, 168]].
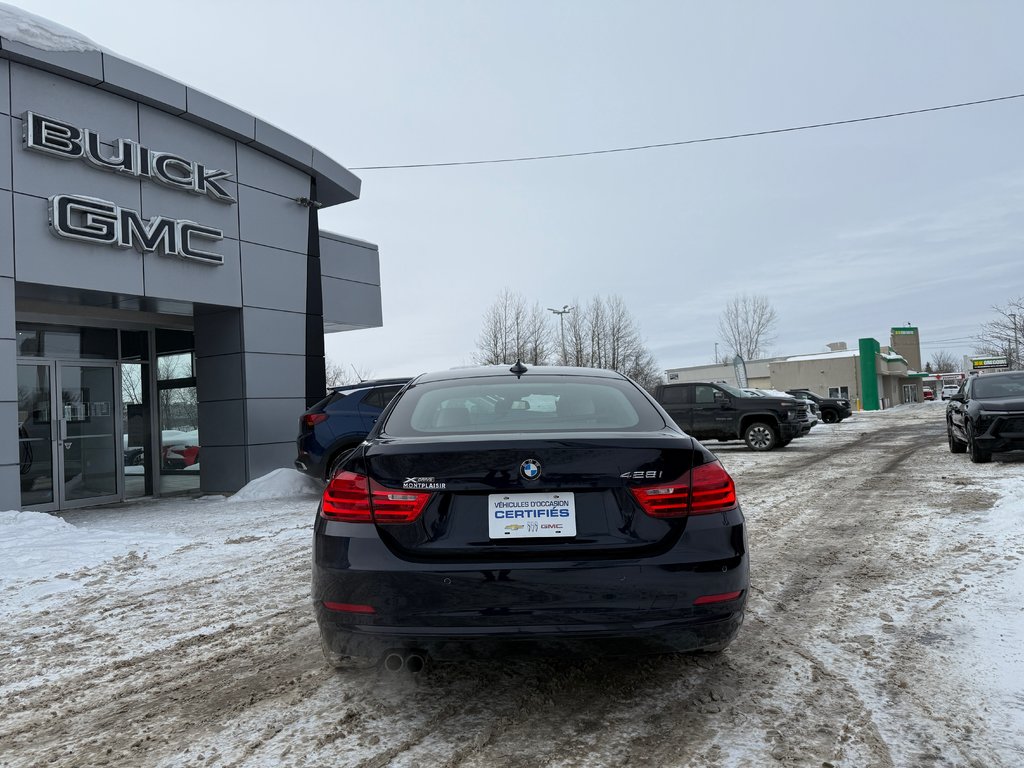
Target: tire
[[978, 455], [760, 436], [955, 445], [830, 417]]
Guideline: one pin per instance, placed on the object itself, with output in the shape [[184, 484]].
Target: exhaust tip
[[393, 661], [415, 662]]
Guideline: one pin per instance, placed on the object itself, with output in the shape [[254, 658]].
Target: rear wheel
[[760, 436], [830, 417], [955, 444], [978, 455]]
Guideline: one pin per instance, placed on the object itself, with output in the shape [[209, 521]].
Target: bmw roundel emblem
[[530, 469]]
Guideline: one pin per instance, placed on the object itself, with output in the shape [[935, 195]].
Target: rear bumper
[[525, 608]]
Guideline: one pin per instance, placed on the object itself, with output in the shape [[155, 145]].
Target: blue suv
[[340, 422]]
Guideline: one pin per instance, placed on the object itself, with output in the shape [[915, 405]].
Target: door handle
[[63, 429]]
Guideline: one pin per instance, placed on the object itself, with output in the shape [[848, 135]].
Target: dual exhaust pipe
[[412, 661]]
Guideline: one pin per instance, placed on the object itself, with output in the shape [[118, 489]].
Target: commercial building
[[871, 376], [164, 285]]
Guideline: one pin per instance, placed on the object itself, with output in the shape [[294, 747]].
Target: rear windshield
[[531, 404]]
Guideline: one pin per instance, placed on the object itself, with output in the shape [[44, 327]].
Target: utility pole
[[1016, 348], [717, 361], [565, 310]]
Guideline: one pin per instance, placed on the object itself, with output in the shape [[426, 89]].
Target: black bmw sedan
[[544, 511]]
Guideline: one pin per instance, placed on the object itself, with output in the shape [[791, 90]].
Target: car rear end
[[528, 528]]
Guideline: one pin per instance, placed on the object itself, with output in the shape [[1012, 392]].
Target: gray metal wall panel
[[212, 113], [219, 378], [158, 200], [348, 261], [169, 277], [10, 484], [258, 170], [43, 175], [6, 311], [271, 421], [222, 423], [9, 423], [6, 234], [136, 82], [267, 458], [352, 304], [218, 331], [277, 143], [274, 375], [268, 330], [222, 469], [112, 116], [268, 219], [5, 87], [42, 258], [5, 151], [167, 133], [86, 66], [273, 279]]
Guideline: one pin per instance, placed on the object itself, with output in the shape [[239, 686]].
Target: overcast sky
[[846, 230]]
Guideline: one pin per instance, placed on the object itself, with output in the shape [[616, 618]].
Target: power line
[[685, 142]]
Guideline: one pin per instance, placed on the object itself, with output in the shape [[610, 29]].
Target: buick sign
[[53, 137]]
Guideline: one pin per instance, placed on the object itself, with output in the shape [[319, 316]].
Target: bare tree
[[747, 326], [338, 375], [944, 362], [604, 334], [1005, 334], [514, 331]]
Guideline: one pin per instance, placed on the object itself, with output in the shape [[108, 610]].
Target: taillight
[[310, 420], [701, 491], [724, 597], [352, 498]]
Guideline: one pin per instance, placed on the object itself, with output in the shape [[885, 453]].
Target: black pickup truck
[[710, 411], [833, 409]]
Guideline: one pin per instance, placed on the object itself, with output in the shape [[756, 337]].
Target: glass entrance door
[[68, 438], [88, 440]]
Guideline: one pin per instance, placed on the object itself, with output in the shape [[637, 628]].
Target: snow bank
[[24, 27], [279, 484], [43, 554]]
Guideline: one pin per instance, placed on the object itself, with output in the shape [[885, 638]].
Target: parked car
[[833, 409], [948, 390], [810, 405], [339, 422], [528, 511], [712, 410], [987, 416], [929, 394]]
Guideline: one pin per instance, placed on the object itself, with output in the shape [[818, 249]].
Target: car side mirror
[[958, 397]]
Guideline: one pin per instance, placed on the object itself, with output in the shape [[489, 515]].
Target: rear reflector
[[352, 498], [349, 607], [701, 491], [722, 598]]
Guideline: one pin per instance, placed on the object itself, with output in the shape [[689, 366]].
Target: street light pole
[[566, 309], [716, 353], [1016, 348]]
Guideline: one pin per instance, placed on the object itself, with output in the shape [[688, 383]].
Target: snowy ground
[[885, 627]]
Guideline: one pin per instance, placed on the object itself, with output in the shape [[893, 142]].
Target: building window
[[842, 392]]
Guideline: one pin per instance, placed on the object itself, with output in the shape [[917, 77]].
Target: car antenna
[[518, 369]]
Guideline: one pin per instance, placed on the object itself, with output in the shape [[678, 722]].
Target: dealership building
[[871, 376], [164, 285]]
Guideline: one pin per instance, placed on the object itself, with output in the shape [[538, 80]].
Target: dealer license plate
[[531, 515]]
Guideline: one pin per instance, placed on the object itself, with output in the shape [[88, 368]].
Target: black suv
[[710, 410], [987, 415], [833, 409], [340, 422]]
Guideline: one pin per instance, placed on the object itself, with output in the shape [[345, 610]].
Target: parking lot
[[884, 629]]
